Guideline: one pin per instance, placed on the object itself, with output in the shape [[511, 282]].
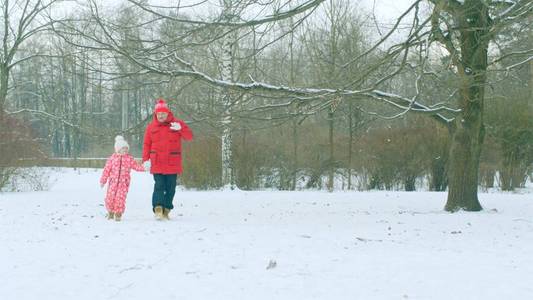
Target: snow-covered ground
[[262, 245]]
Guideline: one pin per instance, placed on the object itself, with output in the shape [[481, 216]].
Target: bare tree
[[230, 14], [465, 29], [21, 20], [153, 56]]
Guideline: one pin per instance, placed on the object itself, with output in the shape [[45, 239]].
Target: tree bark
[[467, 130], [294, 154], [350, 144], [465, 151], [294, 121], [410, 183], [331, 167], [228, 180], [4, 81], [438, 174]]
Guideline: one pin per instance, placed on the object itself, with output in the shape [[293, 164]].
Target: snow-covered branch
[[181, 67], [45, 114], [528, 53], [516, 11], [276, 16]]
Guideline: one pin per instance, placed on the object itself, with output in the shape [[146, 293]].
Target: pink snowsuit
[[117, 169]]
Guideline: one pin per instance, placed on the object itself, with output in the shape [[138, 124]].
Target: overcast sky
[[384, 9]]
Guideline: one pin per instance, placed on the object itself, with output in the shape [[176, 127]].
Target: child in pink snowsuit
[[117, 173]]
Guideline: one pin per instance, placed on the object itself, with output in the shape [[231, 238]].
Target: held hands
[[147, 165], [175, 126]]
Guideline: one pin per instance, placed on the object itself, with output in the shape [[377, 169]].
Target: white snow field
[[262, 245]]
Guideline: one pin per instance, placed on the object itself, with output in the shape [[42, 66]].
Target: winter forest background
[[306, 94]]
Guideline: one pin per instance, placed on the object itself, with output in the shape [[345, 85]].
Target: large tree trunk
[[463, 170], [467, 130]]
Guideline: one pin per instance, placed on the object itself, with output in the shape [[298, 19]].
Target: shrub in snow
[[28, 179], [17, 143]]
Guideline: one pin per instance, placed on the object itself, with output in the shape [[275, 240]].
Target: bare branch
[[246, 23]]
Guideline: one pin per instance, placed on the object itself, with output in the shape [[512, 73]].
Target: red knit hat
[[161, 106]]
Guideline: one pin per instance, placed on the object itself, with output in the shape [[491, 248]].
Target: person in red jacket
[[162, 155]]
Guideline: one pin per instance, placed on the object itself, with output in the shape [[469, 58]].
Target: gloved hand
[[147, 165], [175, 126]]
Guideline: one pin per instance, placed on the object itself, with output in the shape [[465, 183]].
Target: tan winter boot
[[110, 215], [166, 211], [158, 210], [118, 217]]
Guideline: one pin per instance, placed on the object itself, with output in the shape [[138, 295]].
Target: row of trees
[[302, 90]]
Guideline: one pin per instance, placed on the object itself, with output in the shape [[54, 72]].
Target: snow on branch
[[508, 68], [324, 95], [515, 10], [384, 97], [527, 53], [44, 113], [277, 16]]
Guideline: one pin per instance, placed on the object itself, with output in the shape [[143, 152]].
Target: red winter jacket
[[162, 145]]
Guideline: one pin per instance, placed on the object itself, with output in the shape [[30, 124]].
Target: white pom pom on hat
[[161, 106], [120, 143]]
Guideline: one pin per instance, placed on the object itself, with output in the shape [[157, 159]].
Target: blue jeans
[[164, 190]]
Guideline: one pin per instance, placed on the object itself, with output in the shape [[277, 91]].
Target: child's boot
[[166, 211], [118, 216], [158, 210], [110, 215]]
